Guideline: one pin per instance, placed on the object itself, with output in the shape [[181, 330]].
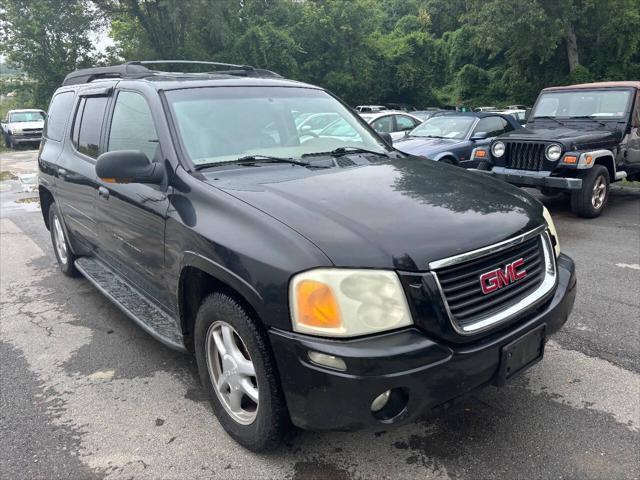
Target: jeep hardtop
[[329, 282], [578, 139]]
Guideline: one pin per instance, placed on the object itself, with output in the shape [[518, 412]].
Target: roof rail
[[138, 69]]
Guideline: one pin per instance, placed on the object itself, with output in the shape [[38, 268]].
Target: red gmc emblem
[[498, 278]]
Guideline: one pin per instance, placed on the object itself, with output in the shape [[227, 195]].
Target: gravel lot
[[84, 393]]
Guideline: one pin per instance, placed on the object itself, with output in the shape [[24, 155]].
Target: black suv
[[578, 139], [327, 282]]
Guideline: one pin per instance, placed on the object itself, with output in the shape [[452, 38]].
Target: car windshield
[[20, 117], [583, 103], [222, 124], [446, 126]]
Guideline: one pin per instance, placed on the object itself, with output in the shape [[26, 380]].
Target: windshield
[[19, 117], [221, 124], [446, 126], [583, 103]]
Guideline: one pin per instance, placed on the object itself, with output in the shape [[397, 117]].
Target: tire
[[256, 426], [61, 248], [448, 161], [590, 200], [8, 141]]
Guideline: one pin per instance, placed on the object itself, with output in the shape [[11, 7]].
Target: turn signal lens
[[317, 306], [570, 159], [481, 153]]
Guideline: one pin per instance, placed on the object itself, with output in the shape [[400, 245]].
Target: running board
[[621, 175], [132, 302]]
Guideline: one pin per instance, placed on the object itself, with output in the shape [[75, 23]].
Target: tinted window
[[493, 126], [132, 125], [88, 125], [59, 110], [405, 123], [383, 124]]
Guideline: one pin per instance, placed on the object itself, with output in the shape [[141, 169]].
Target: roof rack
[[138, 69]]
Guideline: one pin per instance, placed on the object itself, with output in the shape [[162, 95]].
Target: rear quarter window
[[59, 111], [87, 125]]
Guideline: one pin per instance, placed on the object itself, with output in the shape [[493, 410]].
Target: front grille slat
[[461, 285], [525, 155]]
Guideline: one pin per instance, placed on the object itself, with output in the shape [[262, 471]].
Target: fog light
[[380, 401], [327, 360]]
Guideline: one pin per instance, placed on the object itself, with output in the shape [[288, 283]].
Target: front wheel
[[8, 142], [61, 248], [238, 371], [590, 200]]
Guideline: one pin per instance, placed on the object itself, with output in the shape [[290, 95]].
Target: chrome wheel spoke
[[221, 384], [248, 388], [235, 400], [245, 367], [217, 338]]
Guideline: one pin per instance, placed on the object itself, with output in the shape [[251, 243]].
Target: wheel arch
[[199, 277], [46, 200], [447, 156]]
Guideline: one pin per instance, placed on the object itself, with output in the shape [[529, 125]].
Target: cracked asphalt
[[84, 393]]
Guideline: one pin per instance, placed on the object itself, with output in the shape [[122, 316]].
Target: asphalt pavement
[[84, 393]]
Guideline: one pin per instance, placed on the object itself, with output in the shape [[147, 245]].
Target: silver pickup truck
[[22, 126]]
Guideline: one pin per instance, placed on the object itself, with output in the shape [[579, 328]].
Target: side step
[[132, 302]]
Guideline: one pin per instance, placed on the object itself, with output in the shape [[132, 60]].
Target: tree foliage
[[423, 52]]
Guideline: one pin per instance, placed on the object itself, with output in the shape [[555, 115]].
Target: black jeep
[[326, 281], [579, 139]]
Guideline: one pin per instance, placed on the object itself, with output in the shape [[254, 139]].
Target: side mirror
[[305, 128], [128, 166], [386, 137], [479, 136]]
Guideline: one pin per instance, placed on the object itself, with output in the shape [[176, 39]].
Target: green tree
[[47, 41]]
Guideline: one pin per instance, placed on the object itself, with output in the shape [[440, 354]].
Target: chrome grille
[[469, 308], [524, 155]]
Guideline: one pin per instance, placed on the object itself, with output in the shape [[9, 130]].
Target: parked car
[[427, 114], [314, 123], [519, 114], [22, 126], [485, 109], [392, 122], [579, 139], [370, 108], [517, 107], [451, 138], [326, 283]]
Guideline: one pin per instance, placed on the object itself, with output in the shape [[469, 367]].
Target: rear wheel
[[590, 200], [238, 371], [61, 248]]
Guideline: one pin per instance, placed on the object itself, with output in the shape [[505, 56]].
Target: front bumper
[[26, 137], [528, 178], [429, 371]]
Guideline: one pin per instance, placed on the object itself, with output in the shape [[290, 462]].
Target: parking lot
[[87, 394]]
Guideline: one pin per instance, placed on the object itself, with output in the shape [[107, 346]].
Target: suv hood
[[399, 214], [571, 136]]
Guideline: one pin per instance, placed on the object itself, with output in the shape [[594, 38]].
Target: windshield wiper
[[249, 159], [589, 117], [340, 151], [544, 117]]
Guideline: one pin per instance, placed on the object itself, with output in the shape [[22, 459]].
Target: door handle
[[103, 192], [62, 172]]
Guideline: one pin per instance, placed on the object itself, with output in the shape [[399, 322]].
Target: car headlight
[[346, 302], [553, 152], [497, 149], [16, 130], [552, 230]]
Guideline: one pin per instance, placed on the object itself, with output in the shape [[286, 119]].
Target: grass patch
[[7, 175]]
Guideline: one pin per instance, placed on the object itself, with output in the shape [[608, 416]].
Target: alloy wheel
[[232, 372], [599, 193], [59, 241]]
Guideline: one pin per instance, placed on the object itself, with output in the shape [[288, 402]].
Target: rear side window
[[59, 110], [493, 126], [383, 124], [132, 125], [88, 125]]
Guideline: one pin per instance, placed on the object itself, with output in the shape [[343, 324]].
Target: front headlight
[[16, 130], [497, 149], [344, 303], [552, 230], [553, 152]]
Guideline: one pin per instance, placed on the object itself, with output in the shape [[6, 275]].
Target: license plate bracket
[[519, 355]]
